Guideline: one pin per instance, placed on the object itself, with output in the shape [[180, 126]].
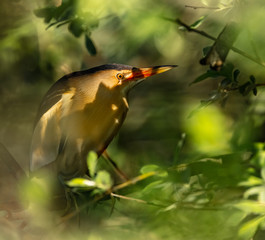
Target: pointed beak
[[140, 73]]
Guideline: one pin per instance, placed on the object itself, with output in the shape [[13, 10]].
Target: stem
[[236, 50], [197, 7]]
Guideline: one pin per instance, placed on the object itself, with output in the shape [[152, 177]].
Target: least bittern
[[81, 112]]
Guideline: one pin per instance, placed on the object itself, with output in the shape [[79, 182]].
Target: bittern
[[82, 112]]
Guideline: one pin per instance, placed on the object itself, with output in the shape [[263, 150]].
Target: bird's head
[[125, 77]]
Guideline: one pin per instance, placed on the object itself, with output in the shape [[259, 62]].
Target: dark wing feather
[[47, 134]]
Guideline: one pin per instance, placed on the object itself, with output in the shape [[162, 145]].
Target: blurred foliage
[[193, 142]]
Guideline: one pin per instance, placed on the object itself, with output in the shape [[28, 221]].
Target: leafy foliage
[[195, 173], [78, 23]]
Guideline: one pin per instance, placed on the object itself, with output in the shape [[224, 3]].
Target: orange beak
[[140, 73]]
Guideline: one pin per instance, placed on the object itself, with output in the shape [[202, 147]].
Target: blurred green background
[[213, 155]]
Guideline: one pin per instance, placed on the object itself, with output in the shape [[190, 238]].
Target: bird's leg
[[69, 196], [119, 172]]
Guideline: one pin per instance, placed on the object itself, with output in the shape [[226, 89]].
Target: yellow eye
[[119, 76]]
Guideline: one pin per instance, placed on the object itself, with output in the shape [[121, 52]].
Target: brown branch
[[202, 33]]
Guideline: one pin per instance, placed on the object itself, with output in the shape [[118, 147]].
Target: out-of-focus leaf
[[103, 180], [90, 45], [92, 159], [208, 74], [255, 91], [226, 71], [179, 146], [46, 13], [248, 229], [225, 82], [252, 181], [81, 183], [154, 168], [152, 185], [198, 22], [249, 206], [252, 79], [253, 191], [263, 173], [235, 75], [75, 27]]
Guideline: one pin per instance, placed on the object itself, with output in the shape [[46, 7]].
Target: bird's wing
[[47, 134]]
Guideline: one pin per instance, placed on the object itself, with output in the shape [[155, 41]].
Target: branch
[[197, 7], [136, 200], [236, 88], [202, 33], [108, 192]]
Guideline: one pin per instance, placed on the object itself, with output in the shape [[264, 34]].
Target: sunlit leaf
[[92, 160], [248, 229], [252, 181], [252, 79], [154, 168], [103, 180], [253, 191], [81, 183], [198, 22], [249, 206]]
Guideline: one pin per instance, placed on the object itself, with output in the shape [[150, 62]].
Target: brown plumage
[[81, 112]]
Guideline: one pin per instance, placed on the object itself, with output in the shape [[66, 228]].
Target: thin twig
[[128, 198], [118, 171], [197, 7], [133, 181], [137, 200], [202, 33]]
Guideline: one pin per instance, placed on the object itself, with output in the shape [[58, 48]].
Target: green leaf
[[248, 229], [81, 183], [75, 27], [245, 88], [251, 181], [255, 91], [210, 73], [46, 13], [92, 159], [103, 180], [154, 168], [90, 45], [250, 207], [254, 191], [252, 79], [235, 75], [263, 172], [150, 187], [198, 22]]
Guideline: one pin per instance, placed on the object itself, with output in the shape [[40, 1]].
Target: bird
[[82, 112]]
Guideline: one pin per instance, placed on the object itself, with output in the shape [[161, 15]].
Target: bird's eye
[[119, 76]]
